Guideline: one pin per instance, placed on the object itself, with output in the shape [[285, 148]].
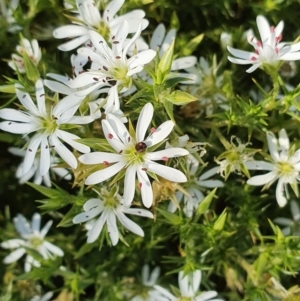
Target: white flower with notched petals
[[45, 297], [269, 50], [46, 121], [32, 238], [90, 19], [132, 155], [292, 226], [193, 187], [148, 281], [110, 209], [189, 287], [110, 66], [33, 51], [285, 167], [35, 169]]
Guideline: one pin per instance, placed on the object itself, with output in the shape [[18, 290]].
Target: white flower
[[189, 286], [148, 281], [132, 155], [46, 121], [193, 187], [269, 50], [110, 66], [110, 210], [32, 238], [35, 169], [206, 85], [285, 167], [90, 19], [31, 48], [45, 297], [292, 226], [7, 13]]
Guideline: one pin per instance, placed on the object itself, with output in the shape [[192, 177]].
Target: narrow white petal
[[112, 137], [112, 228], [119, 128], [167, 153], [184, 62], [69, 138], [18, 128], [69, 31], [145, 187], [262, 179], [290, 56], [207, 296], [197, 276], [281, 199], [263, 28], [144, 121], [253, 68], [295, 210], [169, 38], [53, 249], [241, 54], [31, 152], [12, 243], [166, 172], [99, 158], [157, 37], [111, 9], [62, 151], [240, 61], [284, 142], [183, 283], [40, 97], [45, 156], [273, 147], [14, 115], [138, 212], [26, 101], [97, 228], [14, 256], [58, 87], [104, 174], [129, 184], [160, 133], [46, 228], [259, 165], [128, 223], [88, 215], [283, 221], [142, 58], [36, 222]]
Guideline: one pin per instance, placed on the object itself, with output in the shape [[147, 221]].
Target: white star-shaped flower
[[132, 154], [268, 50], [90, 19], [189, 287], [285, 167], [110, 209], [110, 65], [31, 48], [34, 171], [45, 297], [193, 187], [32, 238], [46, 121], [292, 226]]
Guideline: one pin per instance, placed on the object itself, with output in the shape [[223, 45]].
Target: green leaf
[[165, 64], [46, 191], [220, 222], [8, 89], [192, 45], [172, 218], [204, 205], [169, 109], [180, 98], [30, 68]]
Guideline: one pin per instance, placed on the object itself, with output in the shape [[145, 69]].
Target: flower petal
[[99, 158], [129, 184], [145, 187], [262, 179], [167, 153], [97, 228], [112, 228], [14, 256], [144, 121], [160, 133]]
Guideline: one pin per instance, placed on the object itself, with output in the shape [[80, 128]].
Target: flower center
[[49, 124], [103, 30], [285, 168], [35, 242], [135, 153]]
